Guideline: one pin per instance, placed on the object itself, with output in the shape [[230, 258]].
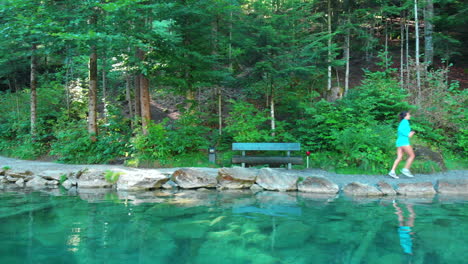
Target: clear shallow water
[[228, 227]]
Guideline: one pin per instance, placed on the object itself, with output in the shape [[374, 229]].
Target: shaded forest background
[[156, 83]]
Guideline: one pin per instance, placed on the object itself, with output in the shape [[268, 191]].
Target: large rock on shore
[[386, 188], [236, 178], [37, 182], [425, 153], [361, 189], [192, 178], [453, 187], [277, 179], [141, 180], [416, 189], [319, 185], [54, 175], [13, 176], [93, 179]]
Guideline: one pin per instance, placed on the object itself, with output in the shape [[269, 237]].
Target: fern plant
[[112, 176]]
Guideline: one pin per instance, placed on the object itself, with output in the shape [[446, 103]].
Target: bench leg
[[289, 166], [243, 165]]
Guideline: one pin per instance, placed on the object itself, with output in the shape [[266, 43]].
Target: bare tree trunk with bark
[[33, 90], [329, 78], [128, 96], [347, 54], [402, 49], [92, 94], [428, 31], [145, 103], [418, 72]]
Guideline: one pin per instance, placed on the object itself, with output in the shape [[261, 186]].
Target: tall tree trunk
[[407, 55], [68, 76], [272, 110], [386, 45], [402, 49], [329, 79], [220, 110], [418, 72], [217, 88], [144, 97], [104, 86], [145, 104], [139, 55], [92, 94], [128, 95], [137, 95], [428, 31], [347, 54], [33, 90], [230, 41]]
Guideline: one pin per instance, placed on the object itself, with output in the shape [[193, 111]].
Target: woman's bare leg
[[411, 156], [398, 159]]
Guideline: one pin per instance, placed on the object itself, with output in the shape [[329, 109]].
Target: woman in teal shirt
[[403, 146]]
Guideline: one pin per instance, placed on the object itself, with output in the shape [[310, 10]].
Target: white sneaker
[[407, 173], [393, 175]]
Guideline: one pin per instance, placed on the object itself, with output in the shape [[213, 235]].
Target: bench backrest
[[266, 146]]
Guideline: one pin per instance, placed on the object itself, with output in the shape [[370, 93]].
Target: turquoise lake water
[[229, 227]]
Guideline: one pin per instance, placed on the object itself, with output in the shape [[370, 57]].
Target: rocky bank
[[19, 174]]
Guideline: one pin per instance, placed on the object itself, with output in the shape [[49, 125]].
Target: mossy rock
[[426, 154]]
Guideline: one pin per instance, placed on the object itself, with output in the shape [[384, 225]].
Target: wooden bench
[[287, 147]]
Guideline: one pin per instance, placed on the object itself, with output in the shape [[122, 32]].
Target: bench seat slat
[[267, 160], [267, 146]]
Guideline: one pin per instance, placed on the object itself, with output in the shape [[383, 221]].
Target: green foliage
[[246, 123], [112, 176], [441, 117], [425, 166], [360, 127], [5, 168], [74, 144], [63, 178], [154, 145], [164, 142], [370, 148], [188, 134]]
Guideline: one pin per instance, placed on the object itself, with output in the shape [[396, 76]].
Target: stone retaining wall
[[222, 179]]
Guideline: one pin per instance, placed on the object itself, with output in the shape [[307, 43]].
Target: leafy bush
[[163, 142], [370, 148], [188, 134], [74, 144], [112, 176], [246, 123], [152, 146]]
